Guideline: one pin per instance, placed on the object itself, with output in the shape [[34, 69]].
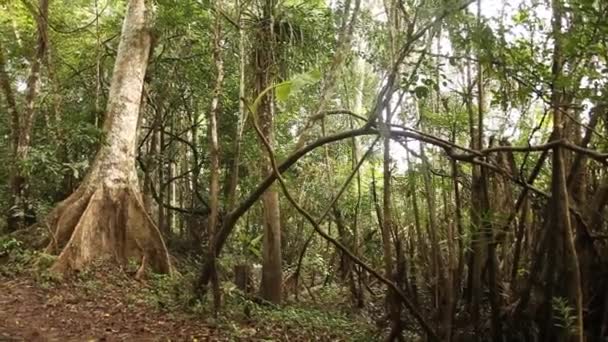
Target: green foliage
[[270, 322], [439, 94], [286, 89], [565, 315], [16, 259], [8, 245], [168, 293], [313, 322], [173, 292]]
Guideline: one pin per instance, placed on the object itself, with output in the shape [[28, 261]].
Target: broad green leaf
[[283, 90]]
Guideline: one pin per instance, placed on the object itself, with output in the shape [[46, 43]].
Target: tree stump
[[242, 278]]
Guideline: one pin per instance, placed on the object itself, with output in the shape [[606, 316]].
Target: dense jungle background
[[410, 170]]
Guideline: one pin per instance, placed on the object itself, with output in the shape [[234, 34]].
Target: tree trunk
[[104, 219], [394, 305], [429, 196], [22, 122], [561, 236], [238, 132], [419, 240], [272, 274], [486, 220], [214, 186]]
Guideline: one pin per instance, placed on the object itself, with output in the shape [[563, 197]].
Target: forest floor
[[29, 312], [107, 304]]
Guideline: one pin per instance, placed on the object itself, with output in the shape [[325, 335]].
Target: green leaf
[[283, 90], [421, 92], [255, 246], [521, 16]]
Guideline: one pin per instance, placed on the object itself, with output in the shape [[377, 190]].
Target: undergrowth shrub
[[246, 317], [16, 259]]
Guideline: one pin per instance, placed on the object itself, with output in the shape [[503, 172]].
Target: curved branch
[[410, 306], [329, 207], [448, 147]]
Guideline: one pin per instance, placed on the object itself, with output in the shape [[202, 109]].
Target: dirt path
[[31, 313]]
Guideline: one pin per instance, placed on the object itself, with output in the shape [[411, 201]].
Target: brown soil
[[75, 313], [107, 304]]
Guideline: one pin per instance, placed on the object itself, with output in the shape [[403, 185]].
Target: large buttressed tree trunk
[[104, 219]]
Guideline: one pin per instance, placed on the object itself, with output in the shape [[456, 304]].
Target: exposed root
[[63, 219], [141, 271], [108, 224], [55, 230]]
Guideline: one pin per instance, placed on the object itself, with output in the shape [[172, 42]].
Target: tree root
[[107, 224]]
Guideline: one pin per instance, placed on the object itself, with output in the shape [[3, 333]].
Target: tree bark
[[214, 186], [104, 219], [272, 273], [394, 306], [238, 133], [559, 216], [22, 122]]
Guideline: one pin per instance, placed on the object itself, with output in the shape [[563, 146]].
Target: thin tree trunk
[[22, 122], [272, 274], [329, 79], [419, 240], [429, 193], [394, 306], [160, 155], [214, 186], [359, 292], [486, 222], [235, 167], [457, 272]]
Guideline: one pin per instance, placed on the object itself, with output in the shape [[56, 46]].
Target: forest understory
[[102, 304], [296, 170]]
